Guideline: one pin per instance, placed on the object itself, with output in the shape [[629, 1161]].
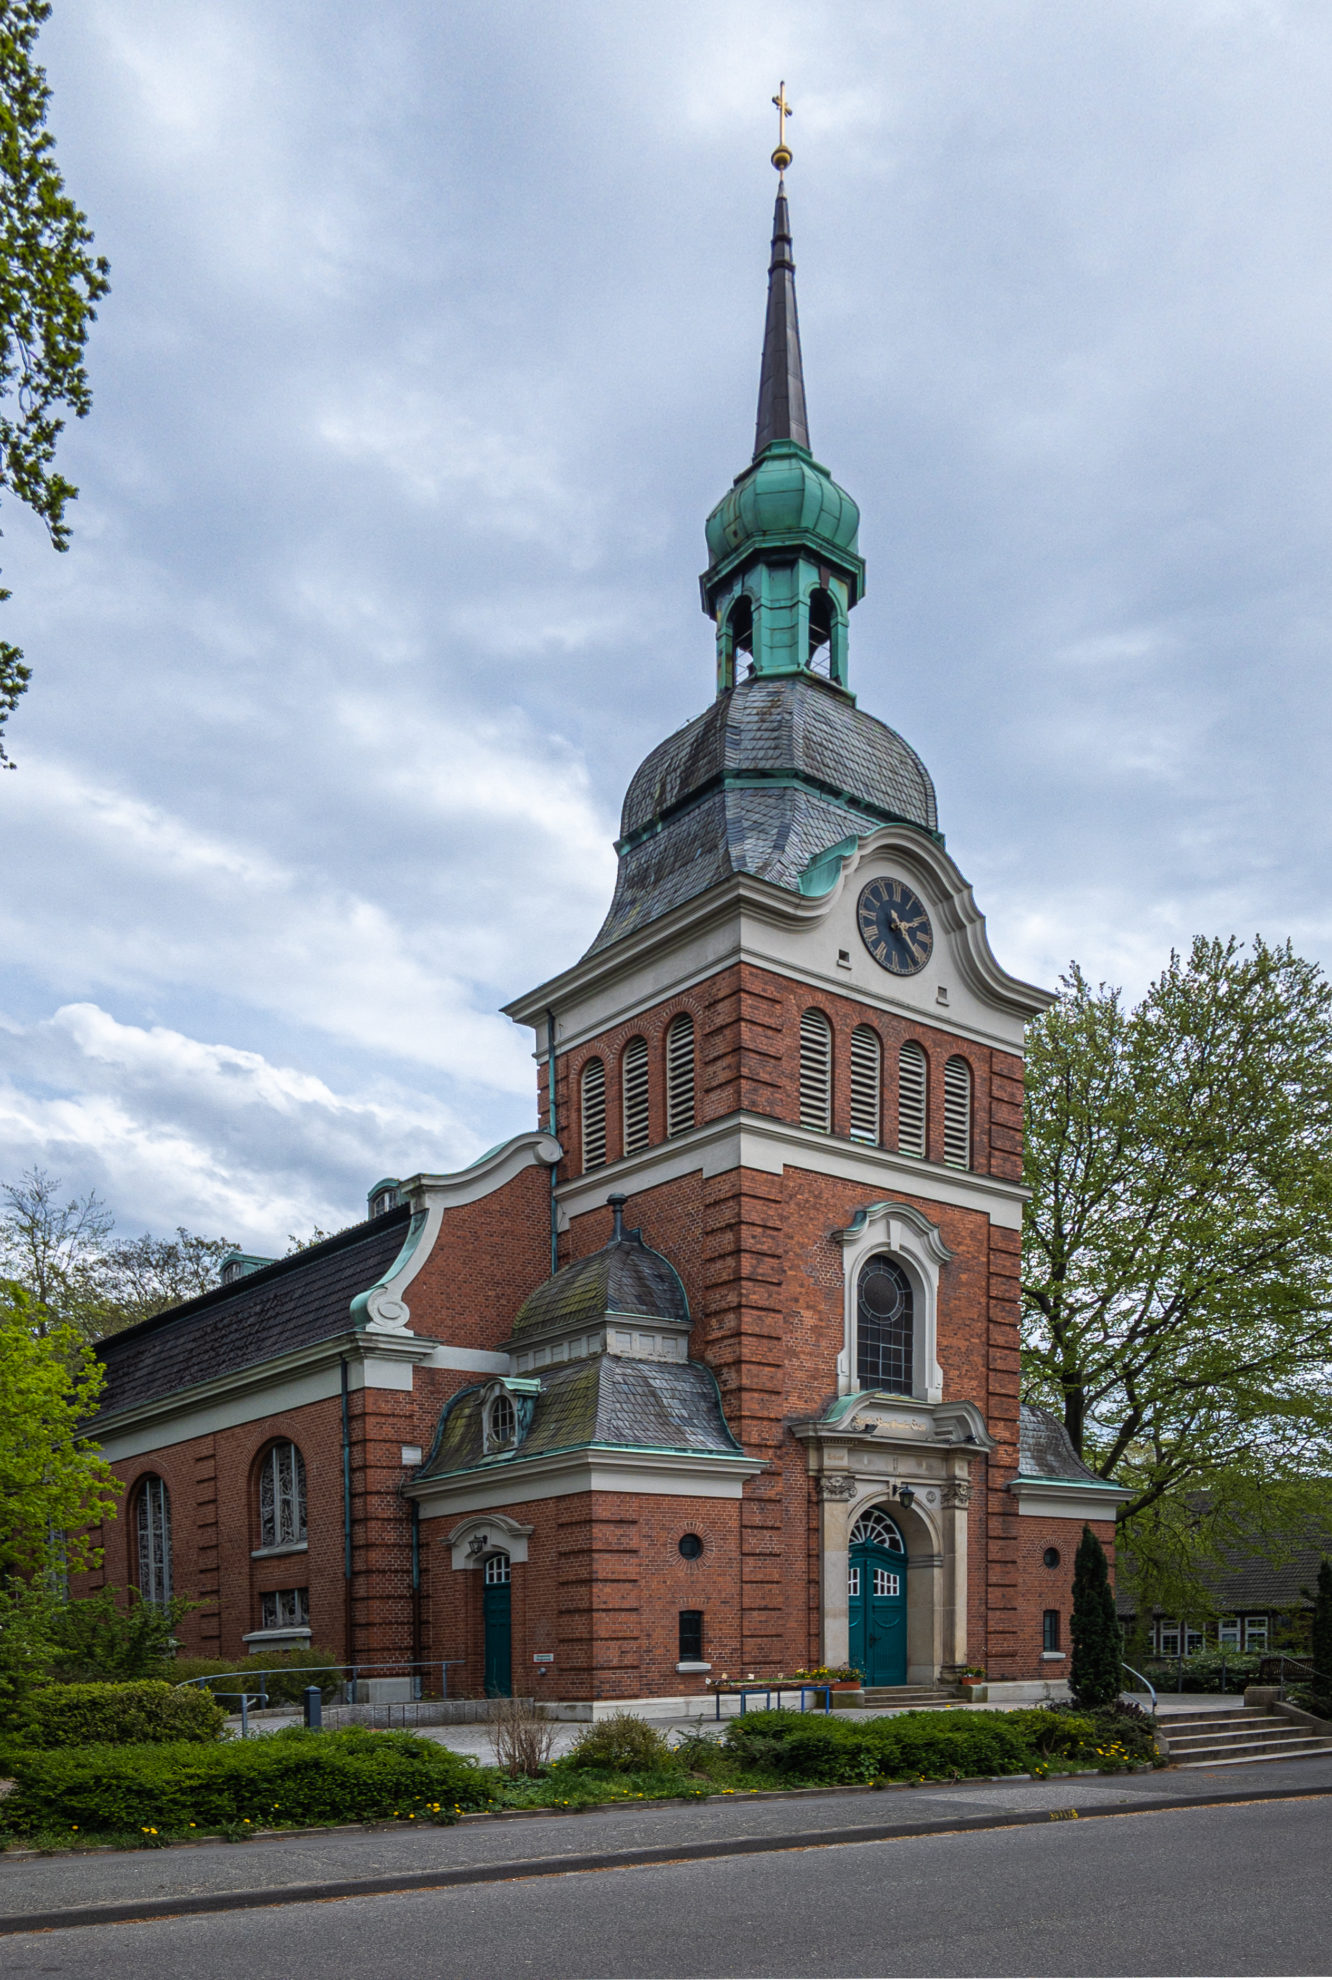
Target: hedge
[[907, 1746], [148, 1711], [281, 1780], [287, 1673]]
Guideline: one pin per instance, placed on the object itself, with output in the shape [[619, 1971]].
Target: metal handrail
[[1303, 1668], [401, 1665], [1151, 1688]]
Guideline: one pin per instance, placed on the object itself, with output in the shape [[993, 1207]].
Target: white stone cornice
[[755, 1141], [1068, 1498], [705, 1475], [383, 1307]]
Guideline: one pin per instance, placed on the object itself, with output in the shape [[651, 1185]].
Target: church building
[[716, 1369]]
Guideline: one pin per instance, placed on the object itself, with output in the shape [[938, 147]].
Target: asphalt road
[[1231, 1890]]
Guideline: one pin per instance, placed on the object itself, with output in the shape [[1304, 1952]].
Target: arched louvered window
[[680, 1074], [593, 1090], [634, 1093], [281, 1496], [911, 1095], [885, 1327], [957, 1114], [815, 1072], [866, 1083], [153, 1522]]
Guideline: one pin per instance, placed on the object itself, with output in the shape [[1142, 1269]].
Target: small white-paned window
[[285, 1608], [853, 1581], [957, 1114], [154, 1534], [281, 1497], [503, 1422], [680, 1074], [1228, 1632], [886, 1583], [594, 1114], [1193, 1641], [1255, 1632], [498, 1571], [911, 1099], [874, 1528], [815, 1072], [1168, 1637], [634, 1088], [866, 1083]]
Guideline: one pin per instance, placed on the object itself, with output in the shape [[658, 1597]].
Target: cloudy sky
[[433, 337]]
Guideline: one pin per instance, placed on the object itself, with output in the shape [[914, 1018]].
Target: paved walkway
[[64, 1884]]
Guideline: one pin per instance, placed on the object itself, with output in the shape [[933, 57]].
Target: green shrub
[[1112, 1736], [95, 1639], [621, 1744], [287, 1673], [1204, 1671], [282, 1780], [813, 1748], [147, 1712]]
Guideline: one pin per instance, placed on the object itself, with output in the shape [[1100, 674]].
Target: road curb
[[142, 1911]]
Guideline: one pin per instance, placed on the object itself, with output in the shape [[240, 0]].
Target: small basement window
[[691, 1636], [285, 1608]]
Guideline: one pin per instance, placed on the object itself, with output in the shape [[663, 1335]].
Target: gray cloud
[[433, 338]]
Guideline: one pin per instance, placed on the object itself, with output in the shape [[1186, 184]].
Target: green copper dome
[[785, 493]]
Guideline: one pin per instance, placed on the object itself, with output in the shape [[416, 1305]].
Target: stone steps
[[1232, 1739], [910, 1697]]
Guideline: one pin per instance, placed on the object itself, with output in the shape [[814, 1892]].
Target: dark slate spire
[[781, 404]]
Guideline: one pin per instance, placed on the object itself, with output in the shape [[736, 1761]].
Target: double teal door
[[496, 1614], [877, 1604]]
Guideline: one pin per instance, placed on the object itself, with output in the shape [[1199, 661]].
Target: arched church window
[[503, 1422], [957, 1114], [634, 1095], [911, 1099], [866, 1083], [593, 1091], [875, 1529], [822, 613], [815, 1072], [281, 1496], [885, 1327], [680, 1074], [153, 1532]]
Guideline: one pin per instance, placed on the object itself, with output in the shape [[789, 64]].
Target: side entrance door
[[496, 1611], [877, 1599]]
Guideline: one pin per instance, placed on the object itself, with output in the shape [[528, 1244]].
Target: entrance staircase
[[909, 1697], [1231, 1738]]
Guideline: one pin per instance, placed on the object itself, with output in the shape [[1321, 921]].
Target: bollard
[[314, 1707]]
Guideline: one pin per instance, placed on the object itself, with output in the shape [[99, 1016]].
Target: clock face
[[894, 926]]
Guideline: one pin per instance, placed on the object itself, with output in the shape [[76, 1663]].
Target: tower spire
[[781, 402]]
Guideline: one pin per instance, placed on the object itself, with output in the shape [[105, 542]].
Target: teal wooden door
[[496, 1612], [877, 1599]]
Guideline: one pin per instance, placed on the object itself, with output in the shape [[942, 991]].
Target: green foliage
[[286, 1675], [149, 1711], [1205, 1671], [813, 1747], [1177, 1254], [96, 1637], [283, 1780], [53, 1482], [25, 1643], [1114, 1736], [49, 281], [620, 1744], [1320, 1642], [1096, 1670]]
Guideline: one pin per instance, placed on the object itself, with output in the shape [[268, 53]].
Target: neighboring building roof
[[625, 1278], [290, 1304], [771, 775], [1046, 1450], [1246, 1580]]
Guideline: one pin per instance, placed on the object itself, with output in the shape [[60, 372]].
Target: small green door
[[877, 1599], [495, 1608]]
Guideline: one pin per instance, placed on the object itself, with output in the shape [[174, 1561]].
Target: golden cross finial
[[781, 158]]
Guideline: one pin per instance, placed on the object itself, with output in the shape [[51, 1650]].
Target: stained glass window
[[281, 1497], [885, 1331], [154, 1533]]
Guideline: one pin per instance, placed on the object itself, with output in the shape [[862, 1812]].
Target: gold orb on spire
[[781, 158]]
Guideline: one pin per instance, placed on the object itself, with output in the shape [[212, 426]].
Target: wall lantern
[[906, 1497], [477, 1545]]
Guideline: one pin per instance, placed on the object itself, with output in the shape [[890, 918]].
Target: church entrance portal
[[495, 1609], [877, 1598]]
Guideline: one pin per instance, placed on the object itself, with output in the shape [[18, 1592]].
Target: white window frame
[[498, 1570], [1228, 1633], [908, 1236], [1257, 1629], [1168, 1638]]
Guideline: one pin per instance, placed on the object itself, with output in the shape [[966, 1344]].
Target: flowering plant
[[829, 1674]]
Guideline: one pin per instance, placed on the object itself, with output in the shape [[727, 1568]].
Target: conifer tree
[[1322, 1628], [1098, 1644]]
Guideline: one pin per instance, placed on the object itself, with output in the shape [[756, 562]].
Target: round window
[[691, 1546], [1051, 1557]]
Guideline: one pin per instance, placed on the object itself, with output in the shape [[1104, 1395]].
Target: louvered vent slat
[[911, 1099], [866, 1083], [815, 1072], [957, 1114], [594, 1114], [634, 1075], [680, 1075]]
